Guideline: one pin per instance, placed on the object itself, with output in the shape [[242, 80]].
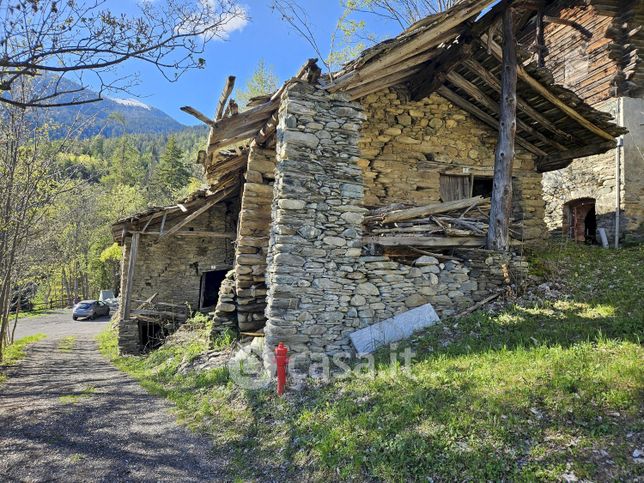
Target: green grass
[[78, 396], [67, 344], [34, 313], [16, 351], [532, 393]]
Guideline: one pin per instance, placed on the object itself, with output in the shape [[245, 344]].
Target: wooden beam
[[481, 97], [432, 209], [498, 236], [485, 117], [434, 76], [207, 205], [379, 84], [570, 23], [540, 41], [195, 233], [231, 127], [225, 94], [129, 281], [549, 96], [425, 241], [199, 115], [555, 161], [486, 76]]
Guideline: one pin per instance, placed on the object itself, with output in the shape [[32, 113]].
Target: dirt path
[[71, 416]]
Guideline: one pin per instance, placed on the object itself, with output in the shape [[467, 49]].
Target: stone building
[[313, 175], [595, 49]]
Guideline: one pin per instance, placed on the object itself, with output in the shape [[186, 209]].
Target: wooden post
[[134, 248], [501, 203], [540, 42]]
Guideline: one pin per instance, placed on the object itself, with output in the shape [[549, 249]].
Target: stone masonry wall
[[173, 266], [252, 238], [405, 147], [594, 177], [590, 177], [320, 285]]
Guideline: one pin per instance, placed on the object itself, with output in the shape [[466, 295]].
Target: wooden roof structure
[[164, 221], [456, 55]]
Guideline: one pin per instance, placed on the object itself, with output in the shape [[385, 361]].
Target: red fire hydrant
[[281, 358]]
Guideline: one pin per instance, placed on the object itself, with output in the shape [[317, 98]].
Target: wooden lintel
[[549, 96], [424, 241], [485, 117]]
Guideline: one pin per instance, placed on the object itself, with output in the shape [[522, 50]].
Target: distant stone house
[[408, 128], [595, 49]]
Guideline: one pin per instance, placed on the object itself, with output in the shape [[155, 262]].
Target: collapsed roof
[[454, 54]]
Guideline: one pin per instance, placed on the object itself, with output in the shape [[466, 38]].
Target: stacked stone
[[406, 145], [225, 315], [252, 240], [321, 288], [317, 223], [495, 271]]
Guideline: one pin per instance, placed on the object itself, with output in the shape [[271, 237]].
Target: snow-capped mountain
[[109, 117]]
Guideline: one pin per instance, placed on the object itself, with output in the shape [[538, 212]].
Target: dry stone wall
[[252, 238], [406, 145], [321, 287], [172, 267]]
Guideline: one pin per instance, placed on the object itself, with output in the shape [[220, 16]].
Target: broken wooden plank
[[225, 94], [556, 161], [197, 114], [432, 209]]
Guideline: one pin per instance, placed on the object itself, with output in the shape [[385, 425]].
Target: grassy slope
[[544, 392]]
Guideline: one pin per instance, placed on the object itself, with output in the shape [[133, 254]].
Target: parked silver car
[[90, 309]]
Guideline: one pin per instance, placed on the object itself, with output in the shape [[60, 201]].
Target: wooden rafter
[[485, 117], [481, 97], [491, 81], [209, 204], [546, 94], [434, 76], [555, 160]]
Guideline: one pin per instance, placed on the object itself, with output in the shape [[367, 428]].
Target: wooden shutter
[[454, 187]]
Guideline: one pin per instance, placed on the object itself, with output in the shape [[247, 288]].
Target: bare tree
[[84, 40], [352, 33], [402, 12], [31, 179]]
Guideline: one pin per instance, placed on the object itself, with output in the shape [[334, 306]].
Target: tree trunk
[[501, 203]]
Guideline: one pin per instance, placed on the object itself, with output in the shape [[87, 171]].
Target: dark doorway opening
[[482, 187], [580, 220], [210, 283]]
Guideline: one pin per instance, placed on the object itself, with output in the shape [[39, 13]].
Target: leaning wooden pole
[[501, 203]]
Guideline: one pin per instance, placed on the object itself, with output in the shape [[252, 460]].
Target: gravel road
[[69, 415]]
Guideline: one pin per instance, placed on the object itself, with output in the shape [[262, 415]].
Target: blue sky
[[265, 36]]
